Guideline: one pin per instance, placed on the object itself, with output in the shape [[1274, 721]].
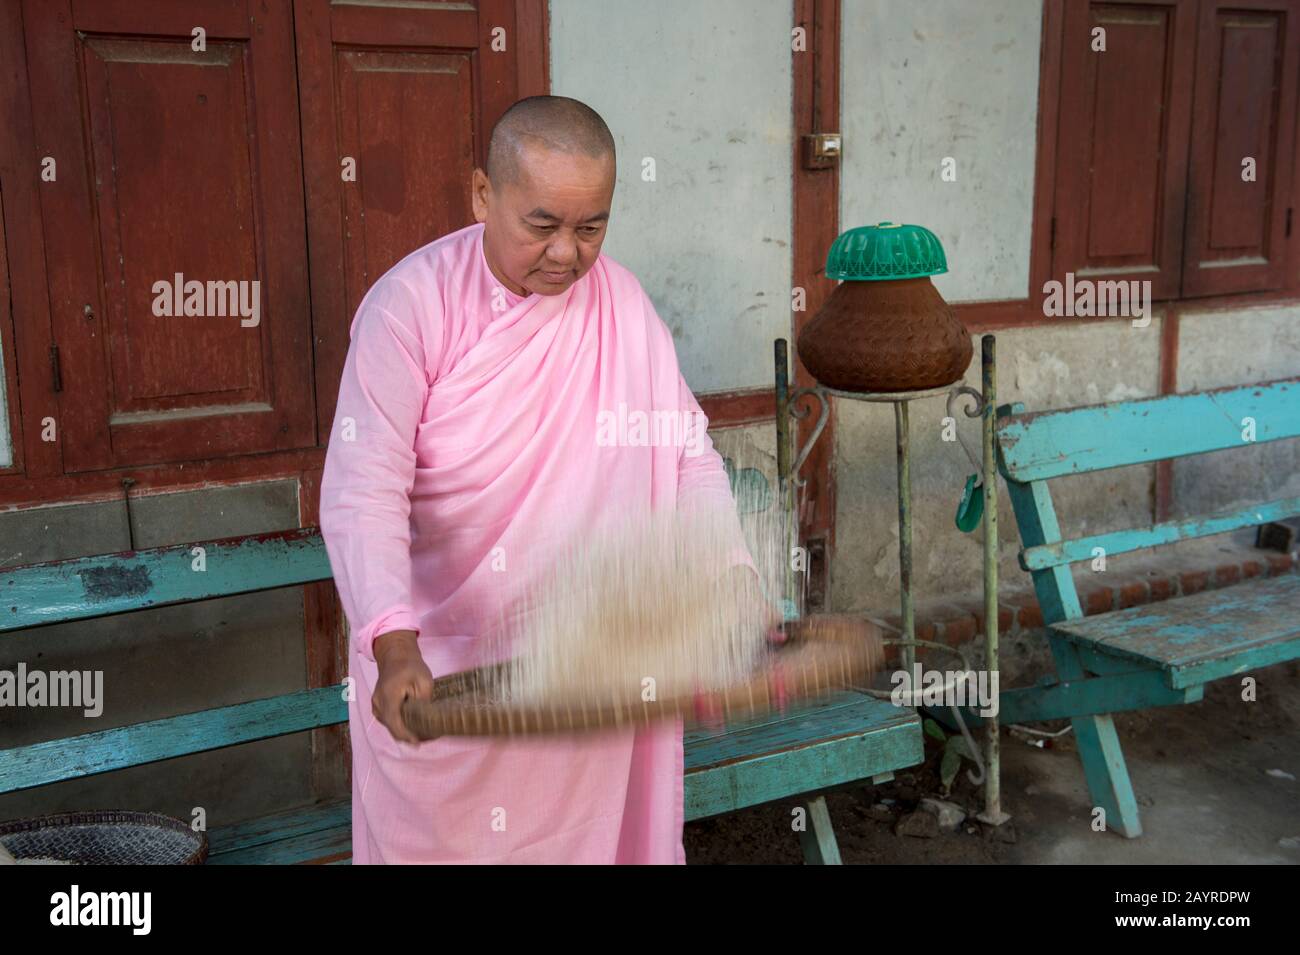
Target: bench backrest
[[1034, 448], [91, 587], [88, 587]]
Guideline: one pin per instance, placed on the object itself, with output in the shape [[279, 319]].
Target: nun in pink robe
[[464, 454]]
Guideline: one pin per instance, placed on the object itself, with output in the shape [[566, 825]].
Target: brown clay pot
[[897, 335]]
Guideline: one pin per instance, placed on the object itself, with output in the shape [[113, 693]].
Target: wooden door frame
[[815, 224], [816, 77], [28, 335]]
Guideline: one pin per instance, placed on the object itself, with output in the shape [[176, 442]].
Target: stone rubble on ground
[[881, 813], [919, 824], [949, 814]]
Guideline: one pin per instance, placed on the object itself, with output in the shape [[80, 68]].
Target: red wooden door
[[1122, 142], [398, 103], [170, 161], [1246, 76]]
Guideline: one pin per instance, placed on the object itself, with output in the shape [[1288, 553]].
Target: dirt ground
[[1216, 782]]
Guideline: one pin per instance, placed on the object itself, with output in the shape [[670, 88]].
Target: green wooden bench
[[1158, 654], [840, 740]]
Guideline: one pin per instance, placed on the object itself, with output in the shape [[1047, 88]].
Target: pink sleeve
[[370, 464]]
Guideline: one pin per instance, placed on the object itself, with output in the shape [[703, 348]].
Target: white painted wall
[[1218, 349], [705, 90], [927, 79]]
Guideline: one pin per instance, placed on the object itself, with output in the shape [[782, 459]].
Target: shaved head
[[555, 123], [545, 197]]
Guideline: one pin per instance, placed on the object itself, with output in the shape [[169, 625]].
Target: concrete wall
[[1221, 348], [703, 89], [1052, 367], [165, 662]]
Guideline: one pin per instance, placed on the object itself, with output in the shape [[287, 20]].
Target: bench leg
[[1100, 753], [818, 837], [1108, 782]]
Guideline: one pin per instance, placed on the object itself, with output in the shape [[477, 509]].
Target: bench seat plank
[[846, 738], [315, 835], [1202, 637], [326, 847], [278, 826]]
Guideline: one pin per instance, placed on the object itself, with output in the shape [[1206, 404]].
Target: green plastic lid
[[872, 253]]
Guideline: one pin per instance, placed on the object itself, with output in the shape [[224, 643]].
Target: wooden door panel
[[173, 161], [151, 197], [410, 94], [1122, 141], [1245, 101], [411, 169]]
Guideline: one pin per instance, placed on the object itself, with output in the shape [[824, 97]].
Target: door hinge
[[56, 372], [1288, 223]]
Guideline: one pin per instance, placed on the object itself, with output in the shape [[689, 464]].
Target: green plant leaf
[[934, 731], [962, 747], [949, 765]]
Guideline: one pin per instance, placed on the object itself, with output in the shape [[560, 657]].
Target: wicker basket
[[885, 336], [105, 837], [821, 654]]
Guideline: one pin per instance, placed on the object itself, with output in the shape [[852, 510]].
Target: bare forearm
[[395, 644]]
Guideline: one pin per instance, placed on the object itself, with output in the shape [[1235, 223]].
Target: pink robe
[[465, 453]]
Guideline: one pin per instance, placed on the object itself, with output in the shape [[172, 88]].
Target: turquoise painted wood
[[107, 750], [1098, 744], [90, 587], [1160, 654], [843, 739], [818, 837], [1168, 532], [828, 743], [281, 825], [1048, 444], [321, 847], [1203, 637], [1091, 696], [315, 834], [847, 738]]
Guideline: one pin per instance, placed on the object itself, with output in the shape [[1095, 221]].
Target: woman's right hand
[[402, 674]]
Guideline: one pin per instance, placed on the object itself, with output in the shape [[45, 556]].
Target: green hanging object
[[875, 253], [971, 509]]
